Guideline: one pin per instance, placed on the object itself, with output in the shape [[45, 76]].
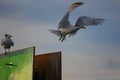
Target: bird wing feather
[[88, 21], [56, 32], [65, 20], [74, 6]]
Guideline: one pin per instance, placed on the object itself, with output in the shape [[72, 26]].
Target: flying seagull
[[65, 28], [7, 42]]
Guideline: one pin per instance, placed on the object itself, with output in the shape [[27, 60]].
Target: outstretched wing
[[65, 22], [88, 21], [74, 6]]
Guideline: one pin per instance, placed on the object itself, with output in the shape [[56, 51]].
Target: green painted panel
[[17, 65]]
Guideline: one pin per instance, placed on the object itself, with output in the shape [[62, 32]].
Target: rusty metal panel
[[47, 66]]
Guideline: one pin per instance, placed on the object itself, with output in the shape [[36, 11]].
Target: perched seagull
[[7, 42], [65, 28]]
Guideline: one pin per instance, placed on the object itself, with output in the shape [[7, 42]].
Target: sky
[[92, 54]]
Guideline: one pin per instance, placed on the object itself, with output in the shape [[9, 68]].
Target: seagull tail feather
[[56, 32]]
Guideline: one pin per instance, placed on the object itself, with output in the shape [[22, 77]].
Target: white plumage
[[65, 28], [7, 42]]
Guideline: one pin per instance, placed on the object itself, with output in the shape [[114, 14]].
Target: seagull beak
[[80, 3], [83, 27], [10, 36]]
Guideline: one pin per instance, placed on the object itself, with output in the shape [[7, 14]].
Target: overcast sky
[[92, 54]]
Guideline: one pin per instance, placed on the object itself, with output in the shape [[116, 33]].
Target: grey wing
[[64, 22], [74, 6], [88, 21], [11, 42]]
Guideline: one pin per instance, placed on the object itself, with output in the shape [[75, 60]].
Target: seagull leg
[[5, 51], [63, 38], [60, 37], [8, 50]]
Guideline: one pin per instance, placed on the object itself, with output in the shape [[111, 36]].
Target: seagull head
[[8, 35]]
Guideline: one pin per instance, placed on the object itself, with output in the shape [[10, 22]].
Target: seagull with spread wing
[[65, 28], [7, 42]]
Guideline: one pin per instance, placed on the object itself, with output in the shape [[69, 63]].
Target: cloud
[[14, 9], [8, 7], [87, 67]]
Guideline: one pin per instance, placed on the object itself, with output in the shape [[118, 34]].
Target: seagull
[[65, 28], [7, 42]]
